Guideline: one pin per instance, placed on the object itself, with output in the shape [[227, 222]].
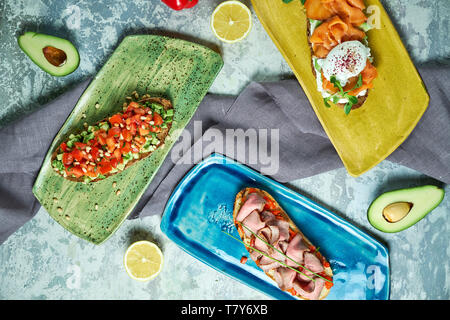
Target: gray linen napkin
[[280, 109]]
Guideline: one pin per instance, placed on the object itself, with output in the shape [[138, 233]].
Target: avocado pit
[[395, 212], [55, 56]]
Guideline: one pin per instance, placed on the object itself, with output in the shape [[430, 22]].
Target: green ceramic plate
[[175, 69]]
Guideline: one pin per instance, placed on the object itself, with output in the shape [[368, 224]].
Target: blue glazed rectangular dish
[[201, 207]]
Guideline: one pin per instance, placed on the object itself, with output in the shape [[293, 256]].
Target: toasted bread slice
[[239, 201], [161, 137]]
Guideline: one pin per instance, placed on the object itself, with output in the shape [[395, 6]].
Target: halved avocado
[[397, 210], [54, 55]]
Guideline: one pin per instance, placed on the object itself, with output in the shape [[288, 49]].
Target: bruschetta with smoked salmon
[[114, 144], [279, 248], [341, 58]]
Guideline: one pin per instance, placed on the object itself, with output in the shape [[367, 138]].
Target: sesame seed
[[129, 98], [96, 207], [97, 105], [88, 149], [55, 200], [128, 127], [83, 115], [136, 95], [149, 112], [118, 192], [85, 124], [116, 124], [114, 184], [121, 125], [89, 156], [143, 118], [125, 105], [59, 209], [152, 122], [84, 170], [107, 154], [67, 217]]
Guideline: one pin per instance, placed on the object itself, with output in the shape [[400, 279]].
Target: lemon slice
[[143, 260], [231, 21]]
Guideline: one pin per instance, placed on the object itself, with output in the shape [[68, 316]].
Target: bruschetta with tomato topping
[[114, 144], [341, 57], [279, 248]]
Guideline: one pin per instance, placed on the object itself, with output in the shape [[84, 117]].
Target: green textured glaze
[[171, 68]]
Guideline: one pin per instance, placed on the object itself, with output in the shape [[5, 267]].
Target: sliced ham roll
[[254, 202], [295, 251], [278, 247], [310, 290]]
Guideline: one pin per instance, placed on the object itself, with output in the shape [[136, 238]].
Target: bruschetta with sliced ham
[[279, 248]]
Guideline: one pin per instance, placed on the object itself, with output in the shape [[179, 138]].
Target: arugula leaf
[[325, 100], [348, 107]]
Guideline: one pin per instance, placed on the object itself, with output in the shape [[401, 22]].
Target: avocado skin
[[424, 199], [32, 44]]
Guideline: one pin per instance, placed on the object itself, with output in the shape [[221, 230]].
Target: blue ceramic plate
[[201, 207]]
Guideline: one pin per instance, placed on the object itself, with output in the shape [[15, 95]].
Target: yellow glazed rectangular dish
[[393, 107]]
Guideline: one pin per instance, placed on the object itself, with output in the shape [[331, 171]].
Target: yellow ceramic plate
[[369, 134]]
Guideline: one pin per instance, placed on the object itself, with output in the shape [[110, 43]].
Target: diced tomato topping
[[155, 129], [143, 130], [105, 168], [139, 111], [111, 143], [76, 171], [125, 148], [126, 134], [63, 147], [133, 129], [67, 159], [94, 153], [157, 119], [270, 205], [114, 132], [114, 162], [77, 155], [116, 119], [118, 155], [133, 105], [140, 140]]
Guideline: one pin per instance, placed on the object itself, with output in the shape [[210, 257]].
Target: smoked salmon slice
[[331, 33], [348, 10], [368, 75]]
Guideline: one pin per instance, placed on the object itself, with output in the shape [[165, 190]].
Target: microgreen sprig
[[352, 100]]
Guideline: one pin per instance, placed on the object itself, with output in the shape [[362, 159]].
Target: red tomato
[[63, 147], [111, 143], [118, 155], [157, 119], [126, 134], [139, 111], [105, 168], [155, 129], [143, 131], [140, 140], [94, 153], [116, 119], [80, 145], [114, 162], [133, 105], [133, 129], [77, 155], [67, 159], [126, 147], [114, 132], [76, 171]]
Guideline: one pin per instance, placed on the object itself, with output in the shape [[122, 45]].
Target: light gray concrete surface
[[44, 261]]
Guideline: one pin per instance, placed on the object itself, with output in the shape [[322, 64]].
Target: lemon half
[[143, 260], [231, 21]]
